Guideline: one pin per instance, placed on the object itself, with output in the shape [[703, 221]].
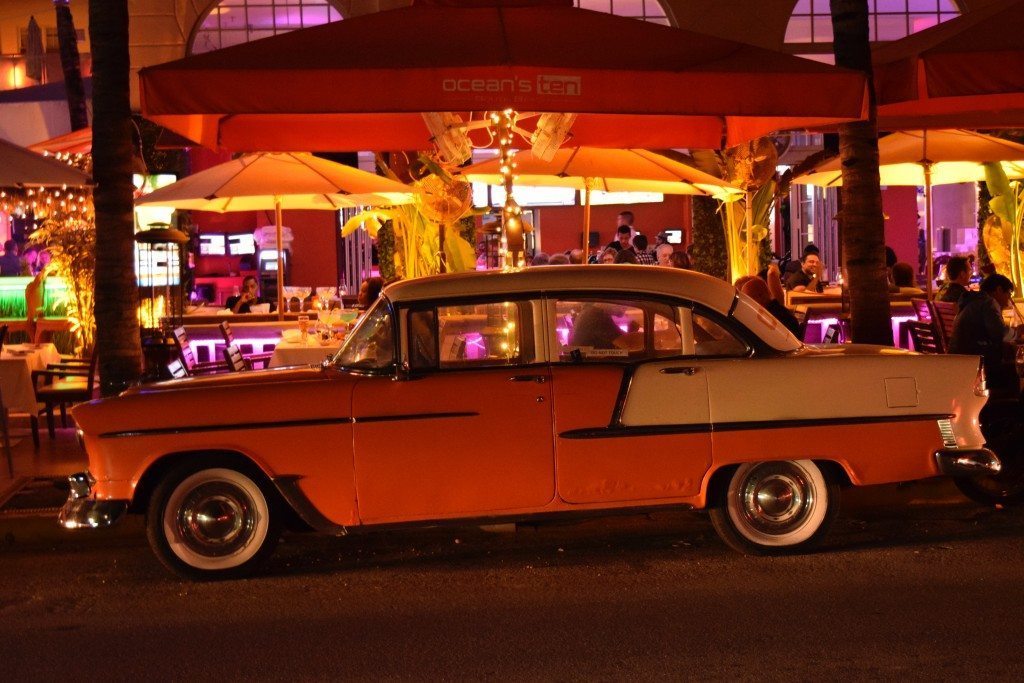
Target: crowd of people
[[15, 261], [629, 246]]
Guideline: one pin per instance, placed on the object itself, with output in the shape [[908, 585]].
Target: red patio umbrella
[[362, 83], [965, 72]]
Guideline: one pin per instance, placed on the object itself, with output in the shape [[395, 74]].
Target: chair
[[188, 357], [229, 339], [943, 317], [831, 335], [235, 360], [177, 369], [923, 336], [921, 309], [64, 384], [800, 313]]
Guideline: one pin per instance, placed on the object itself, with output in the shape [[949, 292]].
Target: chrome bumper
[[964, 462], [82, 512]]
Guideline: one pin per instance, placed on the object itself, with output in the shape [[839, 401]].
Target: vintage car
[[479, 398]]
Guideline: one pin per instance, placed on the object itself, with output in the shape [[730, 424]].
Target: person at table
[[905, 281], [249, 297], [808, 278], [958, 276], [369, 290], [979, 330], [771, 296]]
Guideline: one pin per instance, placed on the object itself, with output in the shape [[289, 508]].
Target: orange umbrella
[[607, 170], [631, 83], [965, 72]]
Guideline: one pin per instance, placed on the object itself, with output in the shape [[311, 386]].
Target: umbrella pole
[[586, 220], [928, 241], [280, 258], [751, 255]]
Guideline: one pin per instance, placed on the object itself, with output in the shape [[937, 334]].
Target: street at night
[[913, 583]]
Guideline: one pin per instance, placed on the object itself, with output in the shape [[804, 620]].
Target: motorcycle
[[1002, 423]]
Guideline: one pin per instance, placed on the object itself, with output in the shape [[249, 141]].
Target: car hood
[[257, 397], [229, 379]]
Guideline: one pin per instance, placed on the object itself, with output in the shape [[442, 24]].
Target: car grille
[[946, 431]]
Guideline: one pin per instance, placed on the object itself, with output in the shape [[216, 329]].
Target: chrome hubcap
[[776, 498], [216, 519]]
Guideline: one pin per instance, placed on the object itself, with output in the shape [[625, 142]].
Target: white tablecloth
[[16, 365], [297, 353]]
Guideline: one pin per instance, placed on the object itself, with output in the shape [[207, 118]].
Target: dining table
[[17, 361], [309, 352]]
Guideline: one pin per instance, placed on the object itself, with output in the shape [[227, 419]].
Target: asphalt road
[[899, 592]]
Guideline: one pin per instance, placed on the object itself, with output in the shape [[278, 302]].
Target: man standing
[[622, 237], [979, 330], [10, 262]]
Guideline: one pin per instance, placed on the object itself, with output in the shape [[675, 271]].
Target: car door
[[468, 431], [631, 401]]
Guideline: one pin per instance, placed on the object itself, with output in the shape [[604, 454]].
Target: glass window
[[644, 10], [811, 20], [232, 22], [474, 335], [371, 346], [711, 339], [611, 330]]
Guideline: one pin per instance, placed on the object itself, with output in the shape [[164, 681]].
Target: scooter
[[1002, 423]]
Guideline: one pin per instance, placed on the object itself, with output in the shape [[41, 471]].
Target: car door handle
[[539, 379], [688, 370]]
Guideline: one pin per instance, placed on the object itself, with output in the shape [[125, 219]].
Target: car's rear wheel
[[212, 522], [778, 507]]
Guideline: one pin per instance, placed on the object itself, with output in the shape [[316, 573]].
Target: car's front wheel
[[212, 522], [778, 507]]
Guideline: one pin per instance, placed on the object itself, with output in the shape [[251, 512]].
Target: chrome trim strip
[[413, 416], [614, 432], [188, 429]]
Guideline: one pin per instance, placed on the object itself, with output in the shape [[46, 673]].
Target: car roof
[[627, 279]]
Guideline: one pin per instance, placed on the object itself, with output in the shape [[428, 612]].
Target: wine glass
[[303, 293], [325, 294]]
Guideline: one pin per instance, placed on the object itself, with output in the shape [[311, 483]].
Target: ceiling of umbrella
[[955, 156], [362, 83], [964, 72], [20, 167]]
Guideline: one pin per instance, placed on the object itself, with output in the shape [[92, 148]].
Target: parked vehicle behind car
[[489, 397]]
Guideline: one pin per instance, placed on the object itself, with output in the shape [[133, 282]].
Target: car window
[[371, 346], [609, 330], [473, 335], [712, 339]]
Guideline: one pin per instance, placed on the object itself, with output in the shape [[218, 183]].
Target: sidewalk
[[55, 460]]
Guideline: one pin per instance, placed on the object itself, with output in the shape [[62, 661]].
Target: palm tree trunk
[[71, 63], [117, 296], [861, 224]]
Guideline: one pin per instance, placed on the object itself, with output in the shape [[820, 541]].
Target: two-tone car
[[480, 398]]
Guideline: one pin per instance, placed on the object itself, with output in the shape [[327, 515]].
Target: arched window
[[811, 21], [645, 10], [232, 22]]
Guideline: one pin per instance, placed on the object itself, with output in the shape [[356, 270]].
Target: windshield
[[371, 345]]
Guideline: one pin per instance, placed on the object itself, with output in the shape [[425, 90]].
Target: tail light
[[980, 388]]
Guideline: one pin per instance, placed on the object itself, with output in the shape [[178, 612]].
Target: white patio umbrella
[[607, 170], [927, 158], [278, 181], [20, 167]]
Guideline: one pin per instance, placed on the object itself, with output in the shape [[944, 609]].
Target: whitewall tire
[[210, 523], [776, 507]]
